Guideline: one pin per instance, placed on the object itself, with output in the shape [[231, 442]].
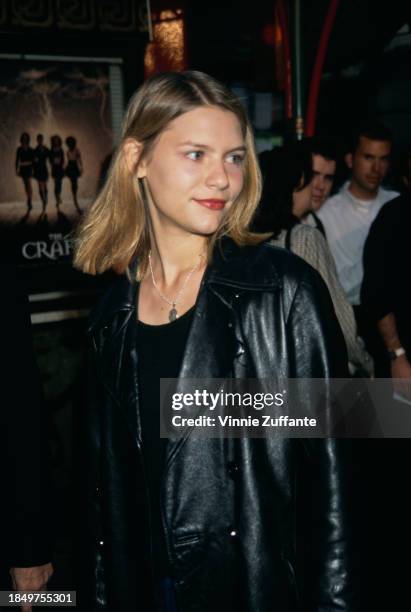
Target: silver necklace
[[173, 314]]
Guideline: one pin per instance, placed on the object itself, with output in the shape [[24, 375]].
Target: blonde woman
[[196, 524]]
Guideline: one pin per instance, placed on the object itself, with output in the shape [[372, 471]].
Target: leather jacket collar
[[238, 268]]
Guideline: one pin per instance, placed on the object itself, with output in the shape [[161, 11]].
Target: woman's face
[[195, 171], [302, 200]]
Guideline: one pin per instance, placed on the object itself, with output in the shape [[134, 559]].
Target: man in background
[[324, 159], [348, 215], [386, 291], [386, 299]]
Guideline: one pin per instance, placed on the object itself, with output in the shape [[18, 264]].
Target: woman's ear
[[132, 152]]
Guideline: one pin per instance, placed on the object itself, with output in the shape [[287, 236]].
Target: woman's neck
[[173, 255], [299, 211], [172, 282]]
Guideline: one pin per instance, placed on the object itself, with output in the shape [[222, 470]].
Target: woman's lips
[[211, 203]]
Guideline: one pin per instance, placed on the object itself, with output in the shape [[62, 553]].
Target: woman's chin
[[208, 224], [205, 229]]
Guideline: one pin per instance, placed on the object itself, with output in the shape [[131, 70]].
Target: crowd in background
[[346, 211]]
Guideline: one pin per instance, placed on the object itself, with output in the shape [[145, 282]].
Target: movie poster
[[56, 140]]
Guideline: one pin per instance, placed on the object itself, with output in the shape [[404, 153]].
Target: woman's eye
[[236, 158], [195, 155]]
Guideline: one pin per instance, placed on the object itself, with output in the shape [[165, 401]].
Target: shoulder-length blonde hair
[[117, 227]]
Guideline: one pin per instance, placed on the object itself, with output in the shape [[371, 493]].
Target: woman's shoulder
[[308, 232], [271, 269], [120, 295], [261, 264], [309, 243], [308, 237]]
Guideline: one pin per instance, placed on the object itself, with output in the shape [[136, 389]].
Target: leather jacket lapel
[[212, 328], [119, 359]]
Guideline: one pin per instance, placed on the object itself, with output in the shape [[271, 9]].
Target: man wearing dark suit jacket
[[386, 299], [386, 290]]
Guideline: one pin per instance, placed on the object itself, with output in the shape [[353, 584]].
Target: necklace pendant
[[172, 315]]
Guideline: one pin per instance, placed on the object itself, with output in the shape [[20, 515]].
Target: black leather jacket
[[251, 525]]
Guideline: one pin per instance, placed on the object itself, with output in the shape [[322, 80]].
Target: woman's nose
[[217, 176]]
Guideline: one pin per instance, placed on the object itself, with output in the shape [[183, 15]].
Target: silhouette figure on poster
[[57, 166], [41, 173], [24, 166], [74, 168], [40, 161]]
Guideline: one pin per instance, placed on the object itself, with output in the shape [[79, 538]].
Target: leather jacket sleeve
[[325, 560], [91, 540], [318, 342]]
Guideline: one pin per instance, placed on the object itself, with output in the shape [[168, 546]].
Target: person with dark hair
[[212, 524], [280, 179], [323, 156], [57, 166], [24, 166], [287, 192], [348, 215], [74, 168], [41, 173], [324, 160]]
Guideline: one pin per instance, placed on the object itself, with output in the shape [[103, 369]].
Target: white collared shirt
[[347, 221]]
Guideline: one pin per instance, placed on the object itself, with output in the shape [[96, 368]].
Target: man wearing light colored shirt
[[348, 215]]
